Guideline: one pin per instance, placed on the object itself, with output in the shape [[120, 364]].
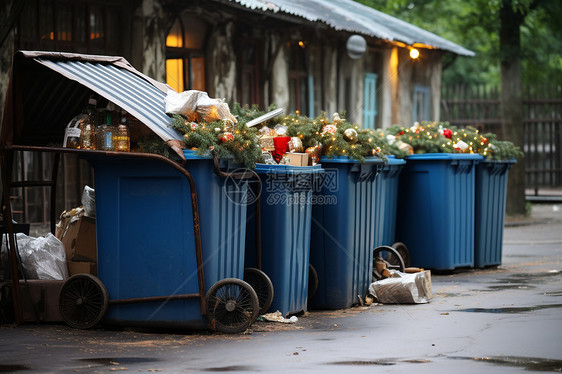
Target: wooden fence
[[479, 106]]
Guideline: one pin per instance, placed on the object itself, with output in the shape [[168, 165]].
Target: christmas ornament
[[313, 155], [266, 143], [447, 133], [350, 135], [390, 139], [228, 125], [227, 136], [336, 119], [462, 146], [280, 130], [295, 145], [405, 147], [329, 129], [266, 131]]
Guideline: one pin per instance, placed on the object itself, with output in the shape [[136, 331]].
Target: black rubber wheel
[[390, 256], [312, 281], [263, 286], [232, 306], [403, 250], [83, 301]]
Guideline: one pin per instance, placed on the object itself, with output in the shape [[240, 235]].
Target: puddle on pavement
[[12, 368], [381, 362], [528, 363], [522, 281], [118, 360], [510, 310], [230, 368], [512, 287]]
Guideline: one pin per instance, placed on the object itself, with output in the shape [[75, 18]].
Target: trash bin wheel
[[263, 286], [403, 250], [312, 281], [232, 306], [390, 256], [83, 301]]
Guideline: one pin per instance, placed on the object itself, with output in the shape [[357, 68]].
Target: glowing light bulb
[[414, 53]]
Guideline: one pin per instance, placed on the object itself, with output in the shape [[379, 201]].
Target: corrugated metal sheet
[[126, 89], [354, 17]]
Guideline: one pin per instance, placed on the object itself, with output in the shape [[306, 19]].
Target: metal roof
[[124, 88], [351, 16], [47, 89]]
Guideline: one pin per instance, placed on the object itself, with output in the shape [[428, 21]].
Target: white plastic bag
[[89, 202], [42, 258], [197, 106], [402, 288]]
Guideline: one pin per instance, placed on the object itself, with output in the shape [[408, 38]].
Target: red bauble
[[447, 133], [330, 128], [226, 137]]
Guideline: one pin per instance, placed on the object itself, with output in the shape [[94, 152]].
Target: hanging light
[[414, 53]]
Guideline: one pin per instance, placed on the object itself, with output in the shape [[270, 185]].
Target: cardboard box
[[298, 159], [40, 300], [79, 240], [77, 267]]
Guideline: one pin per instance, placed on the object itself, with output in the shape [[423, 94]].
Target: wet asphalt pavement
[[505, 319]]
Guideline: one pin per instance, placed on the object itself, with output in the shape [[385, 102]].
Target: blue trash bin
[[491, 188], [145, 237], [386, 201], [285, 219], [343, 223], [436, 209]]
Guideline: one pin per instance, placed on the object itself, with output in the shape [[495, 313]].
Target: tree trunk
[[512, 103]]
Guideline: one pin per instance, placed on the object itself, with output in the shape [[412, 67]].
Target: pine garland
[[440, 137], [207, 137], [312, 133]]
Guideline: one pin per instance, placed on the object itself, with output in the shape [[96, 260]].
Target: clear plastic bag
[[42, 258], [197, 106], [89, 202]]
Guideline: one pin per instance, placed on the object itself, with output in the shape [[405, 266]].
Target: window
[[185, 60], [300, 83], [370, 101], [421, 107], [71, 26]]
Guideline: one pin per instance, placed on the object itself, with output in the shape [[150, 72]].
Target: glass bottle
[[73, 131], [105, 134], [123, 137], [88, 135]]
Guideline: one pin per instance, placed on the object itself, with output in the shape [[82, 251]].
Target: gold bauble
[[350, 135]]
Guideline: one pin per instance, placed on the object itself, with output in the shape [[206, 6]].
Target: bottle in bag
[[73, 131]]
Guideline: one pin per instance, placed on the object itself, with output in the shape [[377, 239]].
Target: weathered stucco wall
[[280, 75], [405, 87], [221, 63], [149, 42], [330, 79], [389, 88]]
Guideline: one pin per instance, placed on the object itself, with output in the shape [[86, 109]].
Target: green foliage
[[312, 133], [154, 144], [440, 137], [207, 137]]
